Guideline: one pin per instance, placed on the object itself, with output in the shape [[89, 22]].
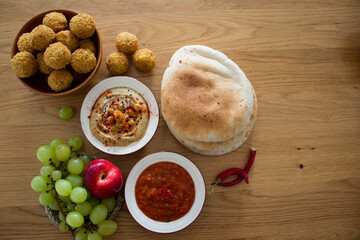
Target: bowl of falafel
[[57, 52]]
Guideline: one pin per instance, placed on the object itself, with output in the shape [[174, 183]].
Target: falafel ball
[[117, 63], [89, 45], [60, 80], [67, 38], [83, 61], [23, 43], [24, 64], [43, 67], [82, 25], [126, 42], [56, 21], [41, 37], [57, 56], [144, 60]]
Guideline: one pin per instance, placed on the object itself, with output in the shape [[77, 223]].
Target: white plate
[[96, 92], [165, 227]]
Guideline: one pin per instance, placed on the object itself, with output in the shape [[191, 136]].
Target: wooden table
[[302, 58]]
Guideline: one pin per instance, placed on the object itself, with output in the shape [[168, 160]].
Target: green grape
[[65, 174], [65, 210], [63, 227], [51, 189], [75, 180], [62, 152], [73, 154], [46, 170], [61, 216], [54, 160], [74, 219], [75, 166], [98, 214], [94, 235], [70, 206], [81, 234], [88, 194], [50, 184], [46, 198], [56, 175], [94, 201], [54, 206], [75, 143], [109, 203], [78, 195], [66, 113], [86, 159], [64, 164], [63, 187], [39, 183], [84, 208], [52, 192], [56, 142], [44, 154], [63, 206], [65, 199], [107, 227]]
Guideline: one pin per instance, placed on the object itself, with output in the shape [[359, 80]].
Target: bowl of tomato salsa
[[165, 192]]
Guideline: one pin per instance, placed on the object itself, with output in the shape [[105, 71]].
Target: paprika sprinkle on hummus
[[119, 117], [165, 191]]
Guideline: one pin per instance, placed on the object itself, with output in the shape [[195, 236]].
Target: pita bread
[[220, 148], [205, 96]]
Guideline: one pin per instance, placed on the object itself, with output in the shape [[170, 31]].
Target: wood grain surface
[[303, 59]]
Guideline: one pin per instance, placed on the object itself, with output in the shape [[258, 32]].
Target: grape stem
[[56, 198], [90, 227]]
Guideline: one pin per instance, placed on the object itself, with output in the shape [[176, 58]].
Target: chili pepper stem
[[218, 180], [251, 160]]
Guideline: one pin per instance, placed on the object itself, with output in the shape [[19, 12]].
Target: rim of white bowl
[[95, 93], [173, 226]]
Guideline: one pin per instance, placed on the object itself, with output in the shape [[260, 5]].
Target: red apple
[[102, 178]]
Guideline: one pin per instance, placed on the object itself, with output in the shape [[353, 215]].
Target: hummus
[[119, 117]]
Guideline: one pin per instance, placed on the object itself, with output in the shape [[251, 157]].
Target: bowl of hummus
[[119, 115]]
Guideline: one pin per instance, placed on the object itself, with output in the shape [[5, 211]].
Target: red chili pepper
[[166, 195], [242, 174]]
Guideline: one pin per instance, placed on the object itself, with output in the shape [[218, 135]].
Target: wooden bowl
[[37, 82]]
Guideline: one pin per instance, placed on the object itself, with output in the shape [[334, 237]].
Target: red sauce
[[165, 191]]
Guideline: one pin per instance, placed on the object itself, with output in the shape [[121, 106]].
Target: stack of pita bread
[[207, 102]]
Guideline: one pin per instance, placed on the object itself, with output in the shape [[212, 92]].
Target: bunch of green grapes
[[61, 189]]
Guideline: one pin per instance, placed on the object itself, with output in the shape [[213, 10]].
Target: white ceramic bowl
[[173, 226], [96, 92]]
